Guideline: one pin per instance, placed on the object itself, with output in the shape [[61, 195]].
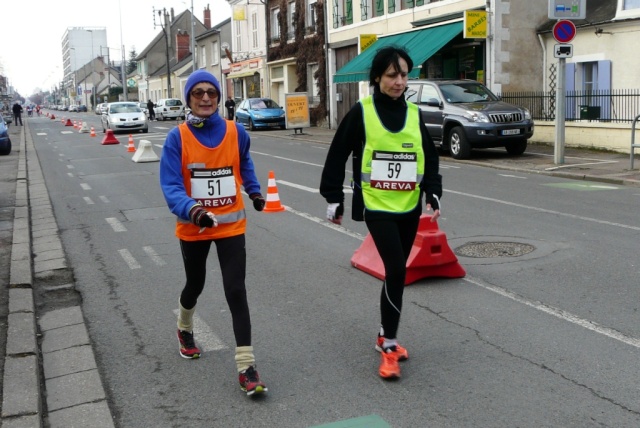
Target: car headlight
[[474, 116], [527, 114], [258, 116]]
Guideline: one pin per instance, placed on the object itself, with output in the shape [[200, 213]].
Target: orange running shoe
[[403, 355], [389, 367]]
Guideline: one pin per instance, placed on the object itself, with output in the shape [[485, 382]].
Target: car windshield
[[124, 108], [263, 103], [466, 93], [174, 102]]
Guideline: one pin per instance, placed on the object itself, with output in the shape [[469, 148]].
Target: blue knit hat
[[198, 77]]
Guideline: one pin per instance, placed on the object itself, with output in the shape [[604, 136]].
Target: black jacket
[[350, 140]]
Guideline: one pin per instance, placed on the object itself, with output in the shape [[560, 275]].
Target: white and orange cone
[[131, 147], [273, 199]]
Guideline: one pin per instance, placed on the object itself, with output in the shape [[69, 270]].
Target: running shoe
[[250, 381], [188, 348], [402, 352], [389, 367]]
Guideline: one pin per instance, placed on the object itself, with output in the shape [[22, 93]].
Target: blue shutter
[[604, 89], [571, 107]]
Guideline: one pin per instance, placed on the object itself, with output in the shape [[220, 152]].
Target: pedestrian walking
[[204, 162], [152, 112], [231, 107], [17, 113], [395, 162]]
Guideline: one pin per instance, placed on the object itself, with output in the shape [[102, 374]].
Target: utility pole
[[164, 24], [193, 41]]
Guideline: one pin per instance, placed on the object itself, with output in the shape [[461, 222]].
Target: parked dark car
[[257, 113], [82, 108], [462, 115], [5, 141]]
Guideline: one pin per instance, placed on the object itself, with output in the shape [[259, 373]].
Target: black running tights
[[393, 240], [232, 257]]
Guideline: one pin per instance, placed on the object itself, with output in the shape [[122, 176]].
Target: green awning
[[420, 45]]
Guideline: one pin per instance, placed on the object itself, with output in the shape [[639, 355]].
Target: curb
[[56, 384]]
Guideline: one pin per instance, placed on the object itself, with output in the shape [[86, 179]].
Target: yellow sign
[[367, 40], [239, 13], [475, 24], [297, 110]]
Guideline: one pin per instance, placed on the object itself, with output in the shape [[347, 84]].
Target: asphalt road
[[542, 331]]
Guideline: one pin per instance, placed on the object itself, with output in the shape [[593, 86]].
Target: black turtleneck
[[349, 140]]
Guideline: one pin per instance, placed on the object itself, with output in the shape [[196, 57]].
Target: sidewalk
[[44, 351], [50, 374]]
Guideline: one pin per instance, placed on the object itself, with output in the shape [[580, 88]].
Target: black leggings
[[232, 256], [393, 239]]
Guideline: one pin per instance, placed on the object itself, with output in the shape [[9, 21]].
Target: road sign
[[567, 9], [563, 51], [564, 31]]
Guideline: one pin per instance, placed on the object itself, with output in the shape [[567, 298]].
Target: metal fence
[[621, 105]]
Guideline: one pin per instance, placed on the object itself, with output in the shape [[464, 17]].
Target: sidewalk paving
[[68, 391]]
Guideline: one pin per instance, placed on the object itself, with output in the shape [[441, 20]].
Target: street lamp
[[93, 85]]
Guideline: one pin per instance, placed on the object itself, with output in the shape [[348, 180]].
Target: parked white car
[[169, 108], [124, 117]]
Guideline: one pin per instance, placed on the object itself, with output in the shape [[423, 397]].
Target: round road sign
[[564, 31]]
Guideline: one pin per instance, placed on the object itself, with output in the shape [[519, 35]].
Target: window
[[291, 10], [311, 16], [238, 45], [631, 4], [215, 53], [628, 9], [342, 13], [275, 25], [254, 30], [203, 57]]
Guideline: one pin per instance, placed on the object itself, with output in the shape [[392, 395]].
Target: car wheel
[[458, 144], [145, 130], [5, 148], [517, 147], [252, 126]]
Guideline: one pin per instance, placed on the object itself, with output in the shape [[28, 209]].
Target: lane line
[[87, 200], [543, 210], [154, 256], [104, 199], [85, 186], [205, 338], [115, 224], [129, 259]]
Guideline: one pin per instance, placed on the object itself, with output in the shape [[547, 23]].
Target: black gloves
[[258, 201], [433, 201], [201, 217], [335, 212]]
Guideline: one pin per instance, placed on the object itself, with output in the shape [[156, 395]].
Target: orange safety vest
[[212, 177]]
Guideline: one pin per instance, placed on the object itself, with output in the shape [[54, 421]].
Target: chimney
[[183, 42], [207, 18], [173, 16]]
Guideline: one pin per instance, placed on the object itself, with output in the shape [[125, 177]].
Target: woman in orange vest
[[204, 163]]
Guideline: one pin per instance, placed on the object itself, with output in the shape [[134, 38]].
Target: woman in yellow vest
[[394, 162], [204, 163]]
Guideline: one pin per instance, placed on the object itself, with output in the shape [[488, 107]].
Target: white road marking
[[578, 217], [70, 174], [104, 199], [129, 259], [560, 313], [288, 159], [298, 186], [88, 200], [326, 223], [66, 132], [154, 256], [41, 133], [85, 186], [115, 224], [70, 166], [205, 338], [512, 176]]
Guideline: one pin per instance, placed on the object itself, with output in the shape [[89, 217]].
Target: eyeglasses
[[199, 93]]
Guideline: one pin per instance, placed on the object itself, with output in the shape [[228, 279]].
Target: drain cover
[[494, 249]]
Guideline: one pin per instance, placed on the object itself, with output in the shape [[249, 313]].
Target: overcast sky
[[31, 32]]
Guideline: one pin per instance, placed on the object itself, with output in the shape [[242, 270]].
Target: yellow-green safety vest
[[392, 162]]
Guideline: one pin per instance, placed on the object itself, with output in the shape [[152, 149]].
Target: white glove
[[335, 212]]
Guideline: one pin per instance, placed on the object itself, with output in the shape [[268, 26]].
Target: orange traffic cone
[[430, 256], [75, 125], [93, 132], [68, 123], [131, 147], [273, 200], [53, 116]]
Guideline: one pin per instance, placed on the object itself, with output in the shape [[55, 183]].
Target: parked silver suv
[[462, 115]]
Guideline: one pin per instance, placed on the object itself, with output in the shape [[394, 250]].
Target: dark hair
[[385, 57]]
